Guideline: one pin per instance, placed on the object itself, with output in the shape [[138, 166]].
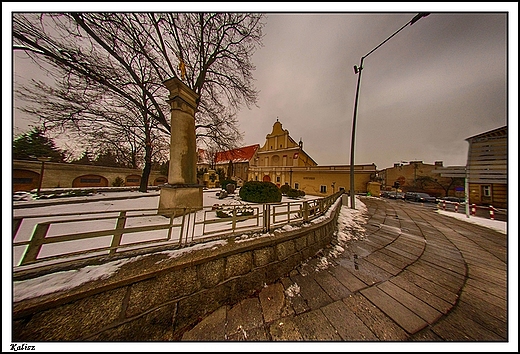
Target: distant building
[[235, 163], [417, 176], [282, 160], [486, 168]]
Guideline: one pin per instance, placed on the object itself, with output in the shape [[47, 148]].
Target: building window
[[22, 180], [486, 191], [323, 189], [90, 180], [296, 186], [277, 178]]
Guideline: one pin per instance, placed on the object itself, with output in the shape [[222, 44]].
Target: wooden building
[[487, 168]]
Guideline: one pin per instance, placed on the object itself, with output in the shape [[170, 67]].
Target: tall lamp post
[[357, 71], [43, 160]]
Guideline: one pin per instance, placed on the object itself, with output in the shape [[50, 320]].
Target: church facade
[[281, 160]]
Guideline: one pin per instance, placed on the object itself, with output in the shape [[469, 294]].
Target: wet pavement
[[413, 275]]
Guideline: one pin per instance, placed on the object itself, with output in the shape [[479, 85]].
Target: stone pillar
[[182, 190]]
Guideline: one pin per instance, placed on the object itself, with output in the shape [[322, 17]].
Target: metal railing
[[55, 239], [457, 207]]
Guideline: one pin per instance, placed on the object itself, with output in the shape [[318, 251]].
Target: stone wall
[[62, 175], [158, 297]]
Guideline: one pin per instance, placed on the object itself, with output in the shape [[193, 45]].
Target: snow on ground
[[131, 200], [500, 226]]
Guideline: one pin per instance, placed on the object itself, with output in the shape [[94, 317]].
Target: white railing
[[59, 238]]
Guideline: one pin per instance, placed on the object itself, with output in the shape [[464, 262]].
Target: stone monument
[[182, 189]]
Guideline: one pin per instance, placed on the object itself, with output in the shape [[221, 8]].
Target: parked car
[[409, 195], [424, 198], [385, 194], [395, 195]]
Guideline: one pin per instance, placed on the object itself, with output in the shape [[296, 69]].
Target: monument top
[[178, 88]]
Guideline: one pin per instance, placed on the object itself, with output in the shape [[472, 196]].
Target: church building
[[281, 160]]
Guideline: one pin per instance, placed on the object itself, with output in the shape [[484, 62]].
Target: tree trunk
[[145, 176]]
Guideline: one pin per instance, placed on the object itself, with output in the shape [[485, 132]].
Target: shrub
[[295, 193], [260, 192], [285, 188], [118, 182]]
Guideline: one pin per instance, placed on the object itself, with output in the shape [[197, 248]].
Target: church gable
[[280, 149], [278, 139]]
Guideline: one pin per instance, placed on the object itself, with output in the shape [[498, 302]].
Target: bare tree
[[108, 59]]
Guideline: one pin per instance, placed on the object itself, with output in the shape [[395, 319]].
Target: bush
[[118, 182], [293, 193], [285, 188], [260, 192]]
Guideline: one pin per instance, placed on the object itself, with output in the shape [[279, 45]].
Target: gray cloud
[[422, 93]]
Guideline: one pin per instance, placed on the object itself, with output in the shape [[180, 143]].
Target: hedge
[[260, 192]]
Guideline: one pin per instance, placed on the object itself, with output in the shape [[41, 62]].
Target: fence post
[[443, 205], [234, 220], [120, 225], [457, 207], [473, 209], [305, 211], [17, 222], [267, 217], [491, 212], [37, 240]]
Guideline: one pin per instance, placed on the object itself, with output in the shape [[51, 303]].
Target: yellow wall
[[64, 175], [313, 180]]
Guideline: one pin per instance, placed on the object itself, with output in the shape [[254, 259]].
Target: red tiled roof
[[242, 154]]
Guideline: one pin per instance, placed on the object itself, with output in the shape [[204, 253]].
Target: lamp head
[[418, 17]]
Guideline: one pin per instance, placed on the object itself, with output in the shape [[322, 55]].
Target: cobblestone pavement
[[414, 275]]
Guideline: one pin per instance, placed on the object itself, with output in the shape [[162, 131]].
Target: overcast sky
[[422, 93]]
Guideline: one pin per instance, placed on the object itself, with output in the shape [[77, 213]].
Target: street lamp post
[[357, 71], [43, 160]]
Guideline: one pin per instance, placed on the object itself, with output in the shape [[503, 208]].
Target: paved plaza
[[415, 275]]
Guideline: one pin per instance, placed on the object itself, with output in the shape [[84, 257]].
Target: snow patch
[[61, 281], [293, 290]]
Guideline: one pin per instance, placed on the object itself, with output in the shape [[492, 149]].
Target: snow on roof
[[241, 154]]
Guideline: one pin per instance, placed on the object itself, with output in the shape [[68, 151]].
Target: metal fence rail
[[56, 239], [489, 211]]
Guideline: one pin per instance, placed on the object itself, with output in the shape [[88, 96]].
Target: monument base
[[180, 196]]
